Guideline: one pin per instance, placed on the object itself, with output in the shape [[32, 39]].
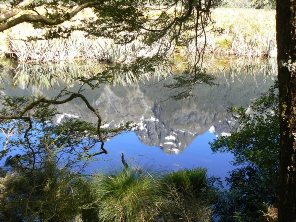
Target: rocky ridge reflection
[[160, 120]]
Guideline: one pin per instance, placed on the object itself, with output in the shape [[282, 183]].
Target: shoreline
[[254, 37]]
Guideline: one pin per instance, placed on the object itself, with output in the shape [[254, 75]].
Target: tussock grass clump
[[132, 195], [128, 196], [188, 182]]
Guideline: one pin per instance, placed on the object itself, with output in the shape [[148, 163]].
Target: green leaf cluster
[[254, 142]]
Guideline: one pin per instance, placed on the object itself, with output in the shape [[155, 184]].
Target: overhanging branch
[[31, 18], [22, 114]]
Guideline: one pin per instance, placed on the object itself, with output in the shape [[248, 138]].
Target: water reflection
[[140, 95], [153, 159]]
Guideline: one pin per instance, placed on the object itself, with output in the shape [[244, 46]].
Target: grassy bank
[[244, 32], [239, 32]]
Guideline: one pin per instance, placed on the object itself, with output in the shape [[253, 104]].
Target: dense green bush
[[47, 194], [189, 196], [253, 186]]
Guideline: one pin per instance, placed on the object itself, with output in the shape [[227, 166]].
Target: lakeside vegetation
[[254, 142], [52, 193], [54, 74], [244, 32], [49, 191], [237, 32]]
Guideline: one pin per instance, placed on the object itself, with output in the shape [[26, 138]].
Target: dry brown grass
[[272, 214], [247, 32]]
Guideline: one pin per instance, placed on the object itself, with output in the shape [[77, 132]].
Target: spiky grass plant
[[128, 196]]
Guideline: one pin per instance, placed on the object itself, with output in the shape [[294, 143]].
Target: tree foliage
[[122, 21], [254, 142], [47, 193]]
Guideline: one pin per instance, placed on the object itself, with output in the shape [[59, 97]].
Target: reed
[[79, 47], [239, 32], [61, 74], [243, 32]]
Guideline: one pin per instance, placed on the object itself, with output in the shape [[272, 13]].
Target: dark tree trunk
[[286, 41]]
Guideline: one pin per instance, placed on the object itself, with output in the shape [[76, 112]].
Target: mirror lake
[[168, 133]]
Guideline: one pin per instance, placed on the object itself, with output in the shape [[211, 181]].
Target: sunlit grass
[[133, 195], [240, 32], [128, 196], [249, 32]]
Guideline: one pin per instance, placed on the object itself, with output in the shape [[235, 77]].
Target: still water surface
[[169, 134]]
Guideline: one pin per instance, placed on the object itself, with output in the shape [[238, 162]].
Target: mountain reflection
[[143, 99]]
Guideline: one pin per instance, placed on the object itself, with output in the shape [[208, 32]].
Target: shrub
[[48, 194], [255, 146], [188, 196]]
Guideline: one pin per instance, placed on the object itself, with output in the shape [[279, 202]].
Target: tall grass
[[240, 32], [243, 32], [188, 182], [128, 196], [74, 48], [79, 47], [132, 195]]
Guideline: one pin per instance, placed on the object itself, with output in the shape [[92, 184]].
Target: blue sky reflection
[[152, 158]]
